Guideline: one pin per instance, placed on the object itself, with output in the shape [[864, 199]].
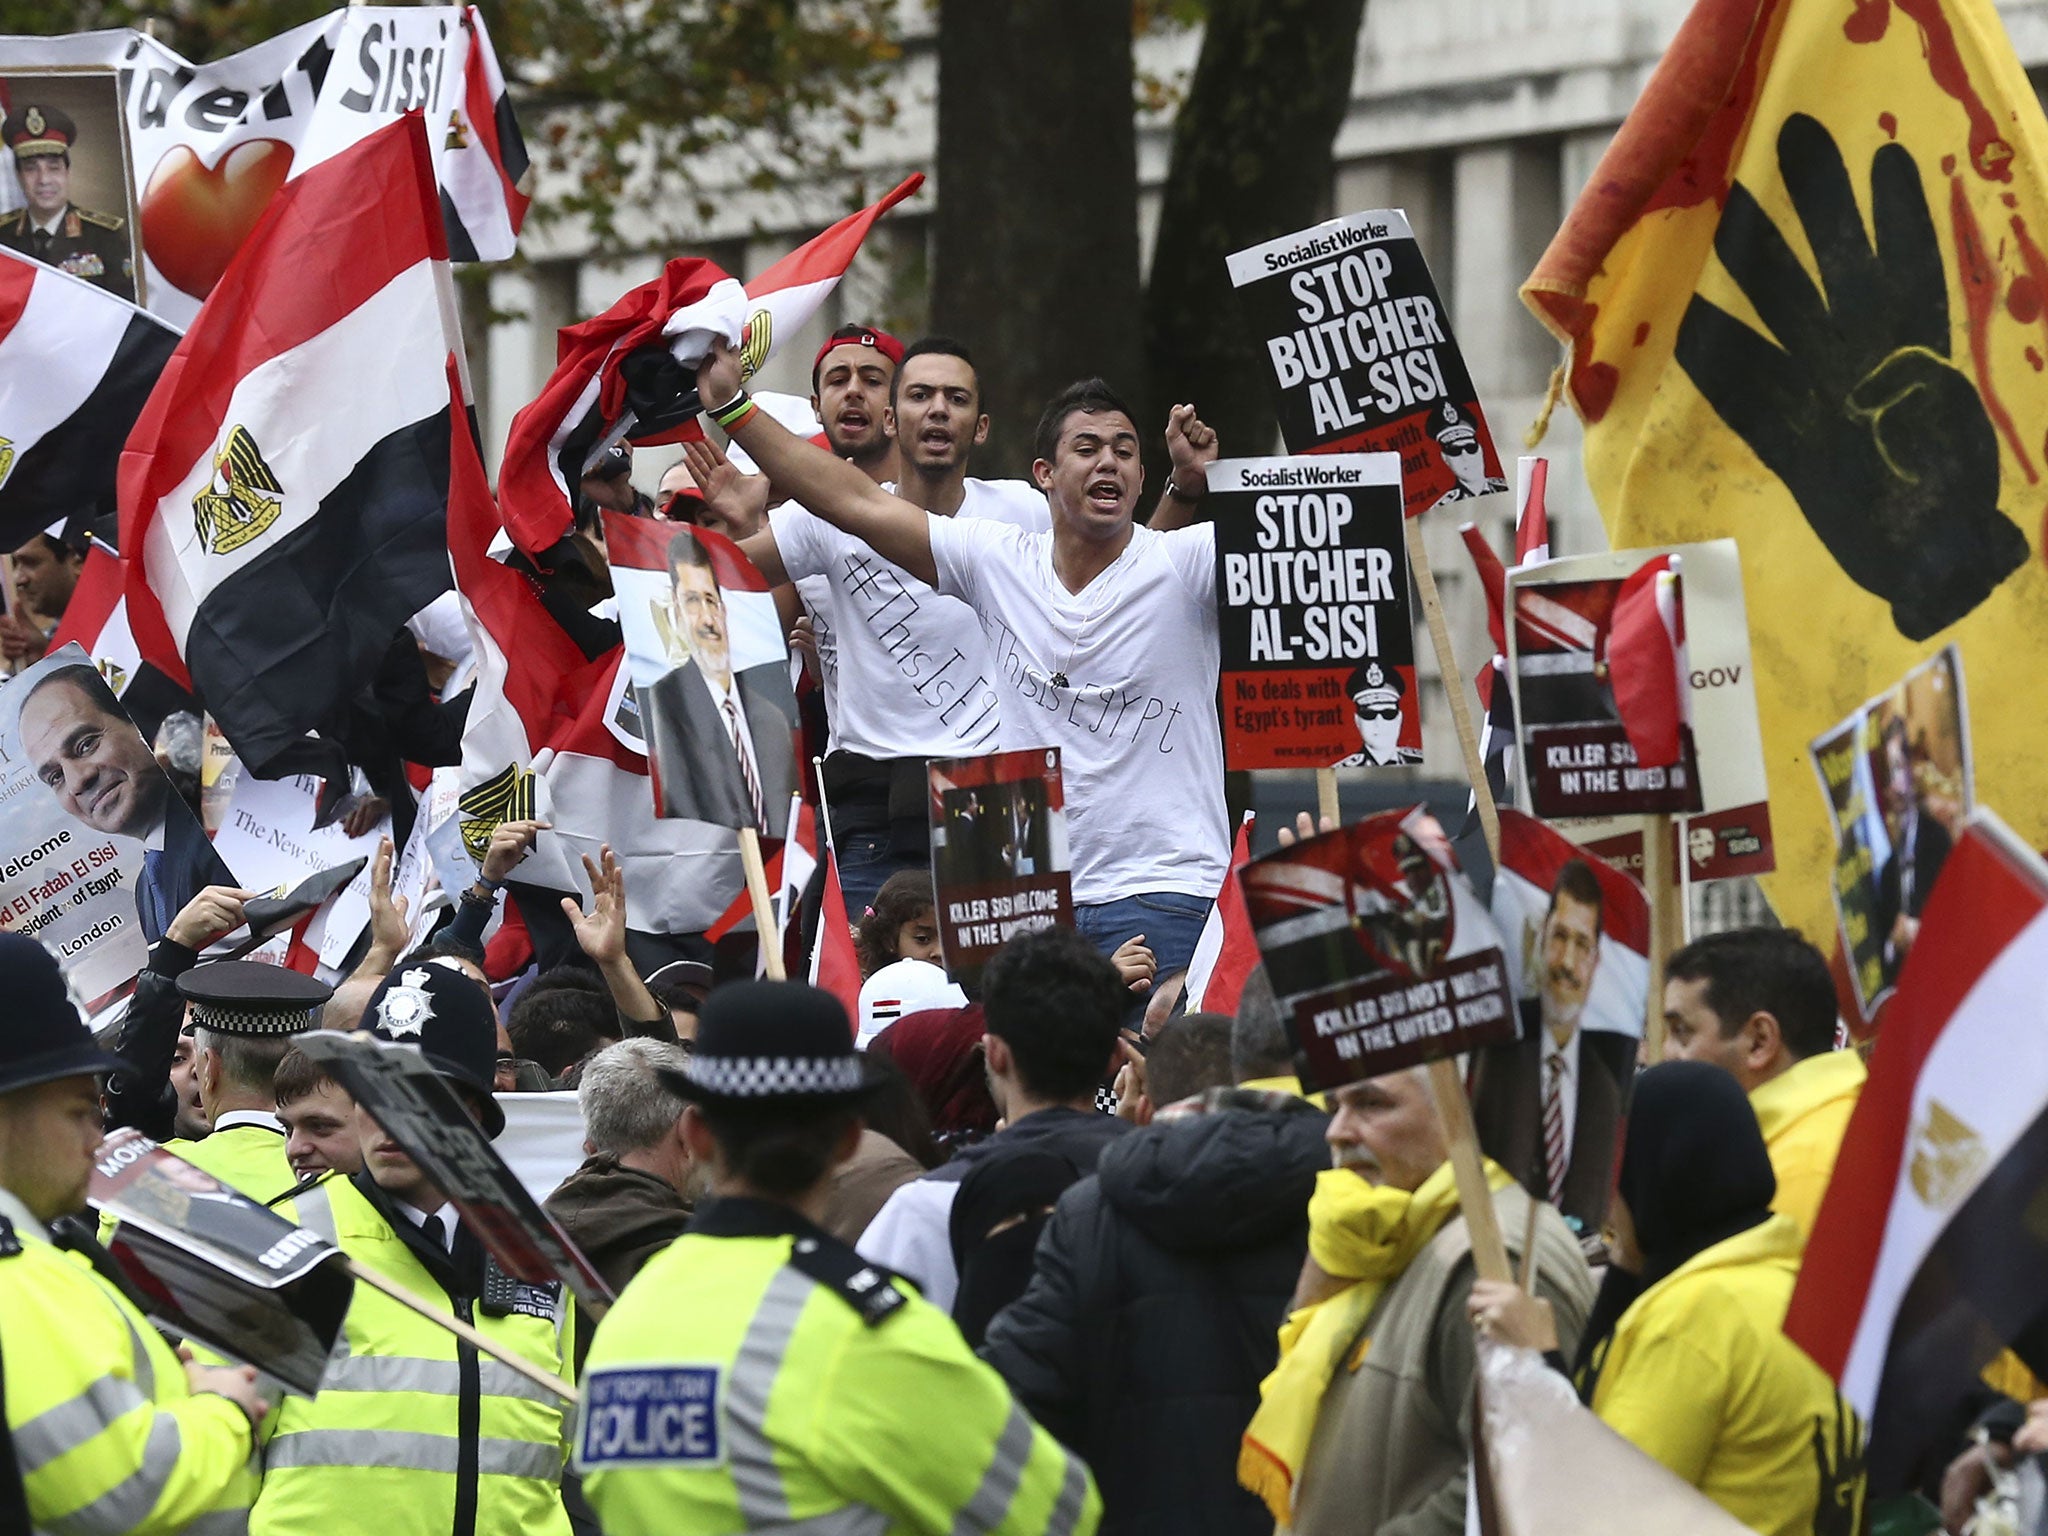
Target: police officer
[[52, 228], [244, 1015], [415, 1432], [758, 1373], [108, 1431]]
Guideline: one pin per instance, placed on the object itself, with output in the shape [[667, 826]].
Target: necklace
[[1095, 611]]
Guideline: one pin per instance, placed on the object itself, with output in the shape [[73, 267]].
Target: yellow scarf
[[1359, 1232]]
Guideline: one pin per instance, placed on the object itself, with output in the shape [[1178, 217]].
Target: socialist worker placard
[[1312, 600], [1362, 354]]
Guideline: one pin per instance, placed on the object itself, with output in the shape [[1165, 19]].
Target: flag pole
[[1482, 1222], [1667, 924], [1326, 798], [765, 929], [1454, 688]]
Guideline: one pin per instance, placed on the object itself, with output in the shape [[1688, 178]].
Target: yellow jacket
[[1701, 1377], [1803, 1113], [111, 1439]]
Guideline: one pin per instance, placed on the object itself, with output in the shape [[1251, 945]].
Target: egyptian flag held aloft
[[620, 362], [1227, 949], [284, 495], [1925, 1261], [76, 366]]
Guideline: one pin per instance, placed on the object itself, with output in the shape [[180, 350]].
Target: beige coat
[[1390, 1446]]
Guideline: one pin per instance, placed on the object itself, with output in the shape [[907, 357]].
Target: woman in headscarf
[[1685, 1355], [939, 1050]]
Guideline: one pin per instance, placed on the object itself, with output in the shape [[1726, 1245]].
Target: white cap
[[903, 987]]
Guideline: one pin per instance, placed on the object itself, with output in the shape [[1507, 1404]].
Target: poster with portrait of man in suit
[[710, 674], [1897, 779], [1548, 1105], [98, 853], [1380, 952]]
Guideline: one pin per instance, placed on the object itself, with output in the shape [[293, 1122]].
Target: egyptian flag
[[1227, 949], [835, 964], [1926, 1259], [486, 179], [542, 740], [624, 363], [284, 495], [1646, 662], [76, 366], [1532, 547], [1532, 856]]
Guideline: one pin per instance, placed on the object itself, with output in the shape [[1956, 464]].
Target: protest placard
[[1577, 934], [420, 1112], [1730, 835], [97, 851], [709, 672], [1362, 354], [202, 148], [270, 839], [1574, 754], [212, 1264], [1380, 952], [1312, 597], [1896, 775], [999, 853]]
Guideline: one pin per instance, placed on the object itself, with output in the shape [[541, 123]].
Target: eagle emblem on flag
[[242, 499], [504, 796], [755, 341], [1947, 1155], [6, 457]]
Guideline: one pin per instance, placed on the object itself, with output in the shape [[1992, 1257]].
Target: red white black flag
[[620, 361], [76, 365], [284, 494], [1926, 1259]]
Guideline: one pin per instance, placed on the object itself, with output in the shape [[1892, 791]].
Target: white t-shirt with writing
[[910, 674], [1135, 723]]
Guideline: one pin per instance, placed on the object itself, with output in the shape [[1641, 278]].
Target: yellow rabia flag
[[1807, 305]]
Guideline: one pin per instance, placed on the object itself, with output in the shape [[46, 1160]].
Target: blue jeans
[[1171, 922], [865, 862]]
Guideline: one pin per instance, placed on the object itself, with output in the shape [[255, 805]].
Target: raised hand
[[1191, 445], [601, 932], [1856, 406]]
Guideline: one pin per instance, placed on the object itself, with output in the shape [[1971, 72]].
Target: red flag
[[834, 965], [1532, 511], [1226, 951], [1645, 651]]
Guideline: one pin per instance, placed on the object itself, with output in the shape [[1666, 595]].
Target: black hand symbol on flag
[[1881, 440]]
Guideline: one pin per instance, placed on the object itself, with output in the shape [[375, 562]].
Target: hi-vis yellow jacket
[[1701, 1376], [758, 1374], [414, 1433], [246, 1155], [110, 1437], [1804, 1113]]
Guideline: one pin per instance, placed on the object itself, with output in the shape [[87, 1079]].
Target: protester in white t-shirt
[[1104, 637]]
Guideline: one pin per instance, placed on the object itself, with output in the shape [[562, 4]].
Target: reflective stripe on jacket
[[109, 1436], [739, 1384], [414, 1433]]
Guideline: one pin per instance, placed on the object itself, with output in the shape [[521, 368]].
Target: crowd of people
[[1058, 1257]]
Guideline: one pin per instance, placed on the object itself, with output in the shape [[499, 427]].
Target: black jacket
[[1153, 1311]]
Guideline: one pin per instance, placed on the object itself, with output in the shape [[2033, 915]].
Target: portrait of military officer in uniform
[[52, 228], [1376, 692], [1458, 440]]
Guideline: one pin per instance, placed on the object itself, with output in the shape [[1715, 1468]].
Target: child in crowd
[[903, 924]]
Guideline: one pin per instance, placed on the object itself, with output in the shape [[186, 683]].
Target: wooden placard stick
[[1454, 687], [1667, 924], [764, 907], [1489, 1251], [545, 1380], [1326, 799]]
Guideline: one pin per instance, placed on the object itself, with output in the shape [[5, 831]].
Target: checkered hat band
[[767, 1077], [251, 1021]]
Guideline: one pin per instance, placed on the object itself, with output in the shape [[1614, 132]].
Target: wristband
[[1173, 489], [734, 410]]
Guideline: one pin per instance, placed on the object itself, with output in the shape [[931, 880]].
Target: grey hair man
[[632, 1196]]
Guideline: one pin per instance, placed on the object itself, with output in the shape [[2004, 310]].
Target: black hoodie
[[1151, 1318]]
